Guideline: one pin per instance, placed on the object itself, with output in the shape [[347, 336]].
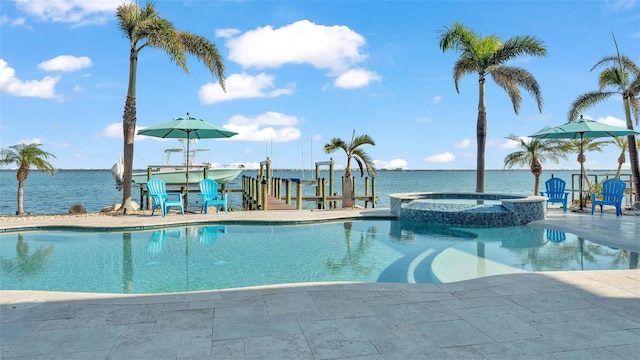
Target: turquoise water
[[95, 190], [227, 256]]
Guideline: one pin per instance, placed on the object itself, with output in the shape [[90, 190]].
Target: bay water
[[95, 189]]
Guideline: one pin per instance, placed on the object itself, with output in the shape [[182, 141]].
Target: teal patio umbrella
[[187, 127], [582, 129]]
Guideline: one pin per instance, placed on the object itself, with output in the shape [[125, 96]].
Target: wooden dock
[[276, 204]]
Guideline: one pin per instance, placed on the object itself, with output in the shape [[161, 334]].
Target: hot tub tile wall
[[510, 213]]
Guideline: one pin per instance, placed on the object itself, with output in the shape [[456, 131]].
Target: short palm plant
[[588, 144], [25, 156], [623, 144], [533, 152], [353, 151]]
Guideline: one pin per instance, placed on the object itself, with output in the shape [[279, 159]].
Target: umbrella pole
[[186, 194], [581, 176]]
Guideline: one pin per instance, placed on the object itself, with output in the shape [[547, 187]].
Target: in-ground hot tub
[[468, 209]]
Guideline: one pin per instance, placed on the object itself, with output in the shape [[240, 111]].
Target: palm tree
[[588, 144], [25, 264], [622, 77], [353, 151], [25, 156], [533, 153], [622, 143], [487, 55], [145, 28]]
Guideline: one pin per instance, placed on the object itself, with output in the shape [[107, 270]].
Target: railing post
[[355, 196], [373, 191], [366, 191], [299, 195], [323, 192], [318, 194], [265, 188], [288, 190]]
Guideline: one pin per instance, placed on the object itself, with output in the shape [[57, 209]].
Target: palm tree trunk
[[536, 170], [20, 197], [633, 150], [536, 186], [21, 176], [348, 200], [635, 166], [621, 160], [129, 131], [481, 135]]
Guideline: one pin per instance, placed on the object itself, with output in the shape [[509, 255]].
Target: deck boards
[[276, 204]]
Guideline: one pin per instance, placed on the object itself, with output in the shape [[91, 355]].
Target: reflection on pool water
[[227, 256]]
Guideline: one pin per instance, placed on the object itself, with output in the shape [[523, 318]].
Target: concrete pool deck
[[550, 315]]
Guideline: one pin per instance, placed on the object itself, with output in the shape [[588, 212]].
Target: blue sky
[[299, 73]]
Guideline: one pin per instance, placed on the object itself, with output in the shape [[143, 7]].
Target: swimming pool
[[227, 256]]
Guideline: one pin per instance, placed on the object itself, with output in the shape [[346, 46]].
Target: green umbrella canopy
[[187, 127], [581, 129]]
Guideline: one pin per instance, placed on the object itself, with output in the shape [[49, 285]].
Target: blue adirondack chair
[[555, 192], [211, 196], [556, 236], [209, 234], [156, 242], [160, 199], [612, 194]]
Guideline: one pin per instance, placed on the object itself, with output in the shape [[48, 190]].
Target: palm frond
[[458, 37], [517, 46], [611, 77], [364, 161], [627, 64], [462, 67], [335, 144], [586, 101], [206, 52], [511, 79]]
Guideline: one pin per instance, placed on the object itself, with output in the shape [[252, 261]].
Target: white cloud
[[80, 12], [511, 144], [437, 99], [66, 63], [464, 143], [270, 126], [226, 33], [391, 165], [58, 144], [493, 142], [616, 5], [613, 121], [10, 84], [423, 119], [325, 47], [114, 131], [242, 86], [30, 141], [441, 158], [356, 78], [4, 19]]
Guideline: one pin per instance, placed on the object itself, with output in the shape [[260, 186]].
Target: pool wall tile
[[513, 210]]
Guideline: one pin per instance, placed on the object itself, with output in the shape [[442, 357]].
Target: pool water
[[229, 256]]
